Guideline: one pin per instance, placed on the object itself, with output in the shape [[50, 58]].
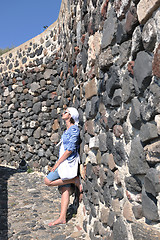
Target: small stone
[[148, 131], [127, 211], [90, 89], [118, 130], [104, 215]]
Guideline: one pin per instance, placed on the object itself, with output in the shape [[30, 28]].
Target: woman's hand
[[53, 169], [64, 157]]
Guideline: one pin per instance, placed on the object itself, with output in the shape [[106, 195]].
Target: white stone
[[30, 149], [91, 158], [94, 46], [6, 92], [145, 9], [157, 21], [44, 109], [94, 142], [157, 120], [23, 138]]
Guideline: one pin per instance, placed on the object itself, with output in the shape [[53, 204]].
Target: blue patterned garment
[[70, 140]]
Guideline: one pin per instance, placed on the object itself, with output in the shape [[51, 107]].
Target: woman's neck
[[69, 124]]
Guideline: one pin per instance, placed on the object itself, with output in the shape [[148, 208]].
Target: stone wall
[[103, 57]]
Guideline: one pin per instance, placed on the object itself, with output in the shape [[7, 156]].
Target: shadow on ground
[[5, 173]]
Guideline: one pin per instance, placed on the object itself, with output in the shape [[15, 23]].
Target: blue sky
[[21, 20]]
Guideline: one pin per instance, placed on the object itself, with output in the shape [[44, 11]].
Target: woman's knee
[[47, 181]]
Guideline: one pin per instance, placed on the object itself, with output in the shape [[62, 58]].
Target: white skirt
[[68, 168]]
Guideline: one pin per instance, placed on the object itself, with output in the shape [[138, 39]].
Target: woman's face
[[66, 115]]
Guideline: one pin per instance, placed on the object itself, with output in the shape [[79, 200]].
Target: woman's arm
[[60, 160]]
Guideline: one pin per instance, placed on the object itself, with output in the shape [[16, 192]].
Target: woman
[[65, 169]]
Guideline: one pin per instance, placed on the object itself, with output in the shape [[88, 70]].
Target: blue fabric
[[54, 176], [71, 141]]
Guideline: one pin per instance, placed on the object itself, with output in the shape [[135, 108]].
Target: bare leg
[[64, 206], [59, 182]]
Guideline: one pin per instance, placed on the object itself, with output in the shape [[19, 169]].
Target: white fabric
[[74, 114], [68, 169]]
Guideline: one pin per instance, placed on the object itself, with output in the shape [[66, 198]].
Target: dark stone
[[84, 8], [133, 184], [89, 171], [113, 192], [28, 156], [112, 119], [103, 177], [110, 178], [102, 142], [106, 100], [24, 60], [94, 106], [125, 51], [148, 131], [38, 51], [155, 93], [95, 198], [93, 210], [135, 117], [94, 2], [39, 61], [32, 55], [119, 230], [107, 196], [84, 58], [137, 211], [37, 107], [149, 206], [88, 109], [109, 141], [131, 20], [10, 66], [121, 34], [137, 161], [48, 43], [111, 218], [121, 115], [109, 29], [117, 98], [96, 227], [119, 153], [119, 193], [151, 181], [113, 82], [7, 61], [143, 69], [85, 226]]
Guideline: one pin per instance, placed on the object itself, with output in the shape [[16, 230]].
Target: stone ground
[[27, 205]]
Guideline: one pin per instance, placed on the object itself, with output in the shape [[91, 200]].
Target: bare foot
[[56, 222]]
